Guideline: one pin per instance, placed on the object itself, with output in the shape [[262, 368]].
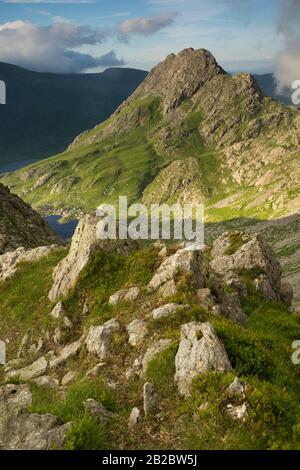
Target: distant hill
[[44, 111]]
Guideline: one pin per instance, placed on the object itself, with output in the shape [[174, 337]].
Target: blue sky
[[242, 34]]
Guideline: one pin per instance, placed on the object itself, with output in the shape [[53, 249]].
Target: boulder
[[167, 310], [188, 261], [10, 261], [150, 399], [32, 371], [69, 377], [237, 412], [97, 410], [99, 338], [137, 330], [46, 382], [65, 353], [240, 253], [21, 430], [200, 351], [134, 417], [84, 244], [58, 311], [124, 295], [168, 289]]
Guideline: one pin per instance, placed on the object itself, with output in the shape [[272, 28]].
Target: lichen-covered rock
[[99, 338], [46, 382], [124, 295], [97, 410], [65, 353], [188, 261], [167, 310], [137, 330], [237, 252], [150, 399], [134, 417], [58, 311], [21, 430], [32, 371], [237, 412], [84, 244], [168, 289], [9, 261], [200, 351]]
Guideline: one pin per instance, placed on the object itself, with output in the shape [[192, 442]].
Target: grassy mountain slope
[[189, 132], [260, 355], [44, 112]]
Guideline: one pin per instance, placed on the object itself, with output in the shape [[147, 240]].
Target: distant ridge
[[45, 111]]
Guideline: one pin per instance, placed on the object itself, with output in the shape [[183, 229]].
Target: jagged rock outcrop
[[237, 253], [84, 244], [200, 351], [99, 338], [178, 77], [21, 430], [21, 226], [188, 261], [9, 261]]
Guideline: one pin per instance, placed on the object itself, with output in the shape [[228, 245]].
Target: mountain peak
[[179, 77]]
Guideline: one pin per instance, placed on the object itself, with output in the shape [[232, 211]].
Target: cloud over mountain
[[146, 25], [51, 48], [288, 64]]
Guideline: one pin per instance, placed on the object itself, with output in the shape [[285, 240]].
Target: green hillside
[[190, 131]]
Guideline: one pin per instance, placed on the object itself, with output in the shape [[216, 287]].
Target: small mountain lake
[[66, 230]]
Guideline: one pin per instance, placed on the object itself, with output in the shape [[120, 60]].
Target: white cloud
[[53, 48], [288, 60], [146, 25]]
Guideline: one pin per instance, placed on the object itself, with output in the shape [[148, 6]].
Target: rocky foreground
[[179, 329]]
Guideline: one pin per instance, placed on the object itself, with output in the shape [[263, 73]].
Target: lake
[[66, 230]]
